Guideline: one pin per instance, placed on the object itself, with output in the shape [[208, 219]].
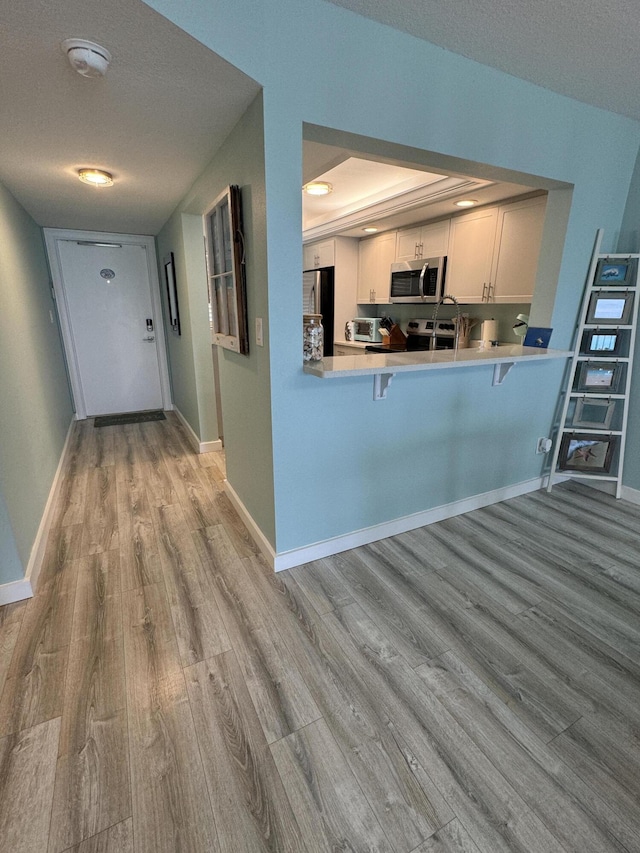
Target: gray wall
[[244, 380], [630, 242], [36, 408]]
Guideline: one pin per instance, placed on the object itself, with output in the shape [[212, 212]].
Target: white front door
[[110, 323]]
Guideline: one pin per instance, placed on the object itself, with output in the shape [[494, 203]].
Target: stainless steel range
[[423, 335]]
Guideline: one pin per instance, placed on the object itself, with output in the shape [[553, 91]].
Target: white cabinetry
[[375, 256], [423, 241], [316, 255], [493, 252], [516, 251], [342, 348], [471, 254]]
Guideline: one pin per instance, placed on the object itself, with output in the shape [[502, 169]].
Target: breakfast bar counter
[[383, 367]]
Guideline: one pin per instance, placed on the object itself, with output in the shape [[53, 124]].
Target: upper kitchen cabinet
[[375, 256], [317, 255], [493, 252], [517, 248], [423, 241], [469, 264]]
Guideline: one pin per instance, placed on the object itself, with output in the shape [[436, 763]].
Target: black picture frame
[[599, 376], [168, 264], [610, 307], [590, 453], [602, 342], [612, 271]]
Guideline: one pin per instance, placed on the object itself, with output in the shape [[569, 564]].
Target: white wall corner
[[198, 446], [328, 547]]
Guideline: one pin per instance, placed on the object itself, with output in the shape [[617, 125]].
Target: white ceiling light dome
[[86, 57]]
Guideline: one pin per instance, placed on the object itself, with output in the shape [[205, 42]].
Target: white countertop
[[404, 362]]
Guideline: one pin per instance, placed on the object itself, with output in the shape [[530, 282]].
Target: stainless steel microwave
[[418, 281]]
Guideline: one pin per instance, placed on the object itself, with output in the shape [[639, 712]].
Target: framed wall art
[[584, 452], [593, 413], [611, 271], [168, 265], [611, 307], [599, 342], [599, 376]]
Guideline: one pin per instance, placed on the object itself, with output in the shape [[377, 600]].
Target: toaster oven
[[367, 329]]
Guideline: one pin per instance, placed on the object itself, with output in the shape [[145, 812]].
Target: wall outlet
[[259, 338], [543, 445]]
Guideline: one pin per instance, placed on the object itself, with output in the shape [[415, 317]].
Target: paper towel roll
[[489, 331]]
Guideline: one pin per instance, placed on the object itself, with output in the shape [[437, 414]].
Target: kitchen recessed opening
[[502, 250]]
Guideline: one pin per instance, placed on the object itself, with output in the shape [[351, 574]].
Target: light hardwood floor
[[470, 687]]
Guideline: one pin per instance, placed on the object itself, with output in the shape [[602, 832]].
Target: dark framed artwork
[[601, 342], [599, 376], [590, 453], [593, 413], [610, 271], [172, 292], [226, 271], [610, 307]]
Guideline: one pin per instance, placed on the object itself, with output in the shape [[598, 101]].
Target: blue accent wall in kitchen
[[340, 461]]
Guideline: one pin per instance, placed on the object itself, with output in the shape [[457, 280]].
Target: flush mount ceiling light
[[318, 188], [466, 202], [96, 177], [86, 57], [370, 229]]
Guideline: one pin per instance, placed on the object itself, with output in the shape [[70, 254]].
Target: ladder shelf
[[591, 434]]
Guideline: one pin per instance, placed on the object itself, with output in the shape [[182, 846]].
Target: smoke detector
[[86, 57]]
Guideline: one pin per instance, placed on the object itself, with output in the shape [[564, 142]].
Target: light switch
[[259, 338]]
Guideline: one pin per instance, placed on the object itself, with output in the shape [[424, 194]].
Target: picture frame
[[601, 342], [590, 453], [610, 307], [593, 413], [599, 376], [610, 271], [168, 264]]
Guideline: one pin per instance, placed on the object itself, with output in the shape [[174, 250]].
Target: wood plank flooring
[[469, 687]]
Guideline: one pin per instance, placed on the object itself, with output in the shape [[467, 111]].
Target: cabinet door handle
[[484, 291], [489, 289]]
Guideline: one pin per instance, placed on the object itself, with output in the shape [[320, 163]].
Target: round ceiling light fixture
[[318, 188], [466, 202], [370, 229], [86, 57], [96, 177]]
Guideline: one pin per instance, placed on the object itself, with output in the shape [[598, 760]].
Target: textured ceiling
[[154, 121], [581, 48]]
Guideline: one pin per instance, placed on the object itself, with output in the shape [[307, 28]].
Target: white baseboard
[[26, 588], [631, 495], [15, 591], [328, 547], [265, 547], [198, 446]]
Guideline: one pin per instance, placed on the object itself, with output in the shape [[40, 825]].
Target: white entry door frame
[[54, 238]]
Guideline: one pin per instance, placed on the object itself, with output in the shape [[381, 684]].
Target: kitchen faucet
[[435, 317]]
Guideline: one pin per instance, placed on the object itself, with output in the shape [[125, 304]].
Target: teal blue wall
[[36, 408], [342, 462]]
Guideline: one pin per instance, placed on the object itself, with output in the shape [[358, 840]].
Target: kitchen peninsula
[[384, 367]]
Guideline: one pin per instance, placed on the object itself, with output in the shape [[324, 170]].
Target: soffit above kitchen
[[154, 120], [385, 194], [590, 52]]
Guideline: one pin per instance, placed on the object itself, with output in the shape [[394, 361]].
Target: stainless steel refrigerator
[[318, 298]]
